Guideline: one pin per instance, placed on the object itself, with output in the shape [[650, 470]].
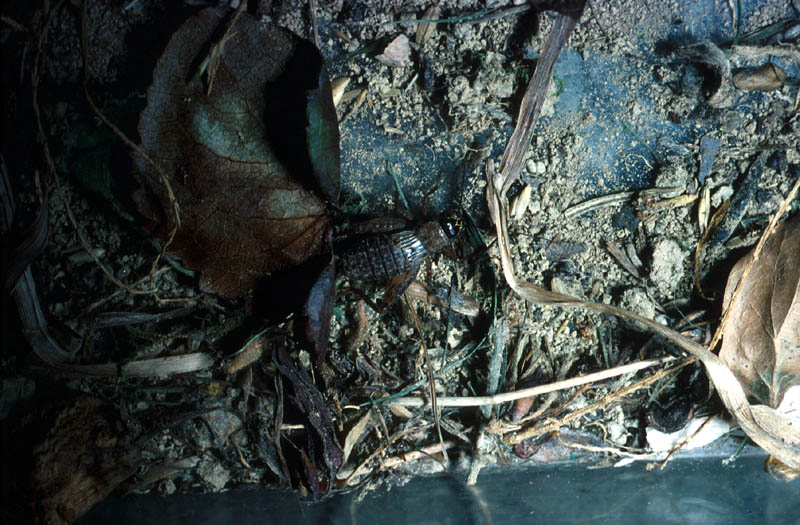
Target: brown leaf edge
[[266, 218], [761, 344]]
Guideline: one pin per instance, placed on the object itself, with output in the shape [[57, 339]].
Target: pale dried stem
[[605, 450], [553, 425], [532, 102], [389, 440], [429, 373], [414, 455], [506, 397]]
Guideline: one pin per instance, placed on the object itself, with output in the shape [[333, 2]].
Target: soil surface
[[628, 111]]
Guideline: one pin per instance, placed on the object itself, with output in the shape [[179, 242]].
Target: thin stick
[[533, 391], [685, 441], [312, 6], [414, 455], [555, 425]]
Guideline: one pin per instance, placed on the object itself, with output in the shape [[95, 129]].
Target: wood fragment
[[704, 209], [674, 202], [765, 78], [533, 100], [252, 352]]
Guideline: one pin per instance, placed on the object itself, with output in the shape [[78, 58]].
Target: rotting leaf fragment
[[309, 400], [244, 211]]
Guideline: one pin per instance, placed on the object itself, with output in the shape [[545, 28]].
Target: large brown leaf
[[761, 341], [245, 210]]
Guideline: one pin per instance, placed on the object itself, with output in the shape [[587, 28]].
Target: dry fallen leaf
[[80, 461], [761, 340], [239, 159]]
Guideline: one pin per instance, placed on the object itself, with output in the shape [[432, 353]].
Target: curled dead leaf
[[309, 400], [761, 340], [240, 159]]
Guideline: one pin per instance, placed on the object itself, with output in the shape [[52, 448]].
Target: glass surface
[[697, 490]]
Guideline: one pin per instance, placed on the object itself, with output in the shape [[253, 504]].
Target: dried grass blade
[[426, 29]]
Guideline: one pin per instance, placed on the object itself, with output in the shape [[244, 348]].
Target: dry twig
[[533, 391]]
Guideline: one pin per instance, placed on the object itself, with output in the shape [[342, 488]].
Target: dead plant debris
[[512, 347]]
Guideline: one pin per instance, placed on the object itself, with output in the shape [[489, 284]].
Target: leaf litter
[[243, 215], [561, 345], [761, 340]]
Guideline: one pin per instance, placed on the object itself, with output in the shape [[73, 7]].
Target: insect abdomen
[[379, 257]]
